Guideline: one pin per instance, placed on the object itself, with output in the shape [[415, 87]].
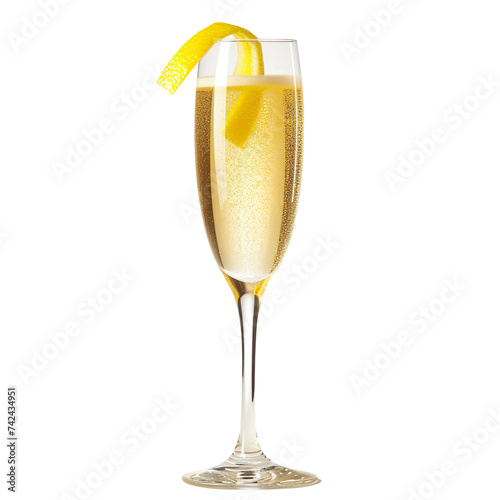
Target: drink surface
[[248, 134]]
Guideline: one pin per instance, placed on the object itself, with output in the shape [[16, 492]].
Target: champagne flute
[[248, 141]]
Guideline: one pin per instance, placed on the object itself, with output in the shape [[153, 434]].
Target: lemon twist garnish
[[249, 62], [244, 111]]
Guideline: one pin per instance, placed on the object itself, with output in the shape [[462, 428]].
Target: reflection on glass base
[[258, 473]]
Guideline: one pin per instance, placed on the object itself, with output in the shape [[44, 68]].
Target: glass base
[[254, 473]]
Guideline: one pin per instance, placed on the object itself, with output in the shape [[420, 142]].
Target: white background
[[172, 332]]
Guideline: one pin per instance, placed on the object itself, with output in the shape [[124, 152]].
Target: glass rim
[[287, 40]]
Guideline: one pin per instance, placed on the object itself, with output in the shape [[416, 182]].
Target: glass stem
[[248, 445]]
